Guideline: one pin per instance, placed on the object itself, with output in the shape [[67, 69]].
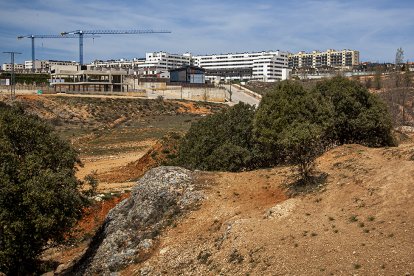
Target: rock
[[129, 230], [281, 210]]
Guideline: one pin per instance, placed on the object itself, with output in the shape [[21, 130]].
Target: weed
[[357, 266], [235, 257], [313, 234], [336, 231], [366, 230], [353, 218], [331, 218], [371, 218], [361, 224]]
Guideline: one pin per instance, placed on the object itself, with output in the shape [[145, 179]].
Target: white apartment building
[[329, 58], [154, 64], [8, 67], [262, 66], [158, 62], [44, 66]]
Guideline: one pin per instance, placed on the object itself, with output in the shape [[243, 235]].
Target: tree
[[40, 197], [377, 78], [399, 57], [293, 122], [221, 141], [359, 116]]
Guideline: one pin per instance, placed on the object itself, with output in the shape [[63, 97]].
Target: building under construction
[[89, 81]]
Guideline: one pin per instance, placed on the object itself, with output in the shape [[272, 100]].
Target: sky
[[374, 27]]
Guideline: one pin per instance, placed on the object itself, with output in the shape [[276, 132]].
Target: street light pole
[[13, 78]]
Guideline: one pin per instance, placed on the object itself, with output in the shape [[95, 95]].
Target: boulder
[[129, 233]]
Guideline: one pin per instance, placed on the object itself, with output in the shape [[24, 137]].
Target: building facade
[[45, 66], [188, 74], [261, 66], [158, 62], [329, 58], [153, 65], [8, 67], [122, 64]]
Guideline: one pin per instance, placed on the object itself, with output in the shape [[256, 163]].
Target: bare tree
[[399, 57]]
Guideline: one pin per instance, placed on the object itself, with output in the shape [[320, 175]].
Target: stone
[[127, 235]]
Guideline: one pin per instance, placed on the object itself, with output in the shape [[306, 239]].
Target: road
[[239, 95]]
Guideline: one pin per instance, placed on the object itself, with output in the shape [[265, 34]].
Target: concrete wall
[[190, 93]]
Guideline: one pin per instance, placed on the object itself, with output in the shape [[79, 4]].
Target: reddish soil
[[193, 108], [95, 216]]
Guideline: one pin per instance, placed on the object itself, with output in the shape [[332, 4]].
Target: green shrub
[[222, 141], [359, 116], [293, 122], [39, 193]]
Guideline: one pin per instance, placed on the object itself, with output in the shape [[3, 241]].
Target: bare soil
[[359, 222]]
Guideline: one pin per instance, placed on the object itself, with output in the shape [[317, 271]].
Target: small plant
[[235, 257], [331, 218], [361, 224], [357, 266], [371, 218], [353, 218], [313, 234]]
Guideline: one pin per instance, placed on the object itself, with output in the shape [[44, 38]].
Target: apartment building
[[262, 66], [8, 67], [153, 64], [124, 64], [158, 62], [329, 58], [44, 66]]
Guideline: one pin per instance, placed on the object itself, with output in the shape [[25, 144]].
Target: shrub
[[359, 116], [39, 193], [293, 122], [222, 141]]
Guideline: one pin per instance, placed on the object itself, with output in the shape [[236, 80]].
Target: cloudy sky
[[374, 27]]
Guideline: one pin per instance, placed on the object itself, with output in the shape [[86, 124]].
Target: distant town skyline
[[376, 28]]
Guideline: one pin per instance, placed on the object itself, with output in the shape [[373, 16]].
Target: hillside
[[250, 223], [359, 222], [111, 133]]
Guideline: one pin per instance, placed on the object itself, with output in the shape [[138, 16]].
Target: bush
[[293, 123], [39, 193], [359, 116], [222, 141]]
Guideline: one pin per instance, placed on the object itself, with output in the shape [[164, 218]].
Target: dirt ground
[[358, 223]]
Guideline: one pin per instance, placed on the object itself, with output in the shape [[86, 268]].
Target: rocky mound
[[129, 233]]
